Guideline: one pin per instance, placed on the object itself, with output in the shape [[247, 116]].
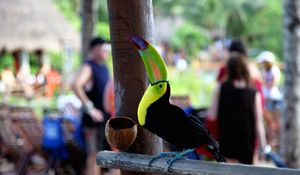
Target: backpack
[[53, 136]]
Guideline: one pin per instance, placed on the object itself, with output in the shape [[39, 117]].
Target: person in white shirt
[[273, 97]]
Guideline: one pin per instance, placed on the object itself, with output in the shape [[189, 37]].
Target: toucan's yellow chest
[[151, 95]]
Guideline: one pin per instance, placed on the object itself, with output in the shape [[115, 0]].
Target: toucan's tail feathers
[[213, 145], [216, 153]]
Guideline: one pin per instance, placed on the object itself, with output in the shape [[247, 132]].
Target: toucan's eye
[[160, 86]]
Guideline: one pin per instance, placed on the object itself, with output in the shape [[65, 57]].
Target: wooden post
[[290, 128], [87, 28], [127, 18], [139, 163]]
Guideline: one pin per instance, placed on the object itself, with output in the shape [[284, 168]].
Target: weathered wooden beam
[[139, 163], [131, 17], [290, 115]]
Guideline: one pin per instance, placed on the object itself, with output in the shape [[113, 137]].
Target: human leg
[[90, 135], [274, 129]]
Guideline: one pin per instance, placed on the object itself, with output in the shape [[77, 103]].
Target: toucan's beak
[[155, 65]]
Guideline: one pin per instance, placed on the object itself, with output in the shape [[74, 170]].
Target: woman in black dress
[[237, 108]]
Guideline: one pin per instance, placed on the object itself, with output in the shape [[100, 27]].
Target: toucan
[[159, 116]]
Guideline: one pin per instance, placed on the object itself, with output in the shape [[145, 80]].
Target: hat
[[96, 41], [266, 56], [237, 46]]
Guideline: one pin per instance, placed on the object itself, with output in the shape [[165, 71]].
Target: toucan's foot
[[161, 155], [178, 156], [171, 161]]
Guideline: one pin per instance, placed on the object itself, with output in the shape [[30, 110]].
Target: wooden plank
[[29, 126], [139, 163]]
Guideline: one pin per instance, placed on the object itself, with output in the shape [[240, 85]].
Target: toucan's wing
[[213, 145], [199, 124], [189, 130]]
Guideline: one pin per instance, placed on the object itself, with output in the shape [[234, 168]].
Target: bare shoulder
[[84, 74], [85, 68]]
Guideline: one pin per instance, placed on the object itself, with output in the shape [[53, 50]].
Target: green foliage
[[35, 63], [191, 37], [56, 60], [259, 22], [76, 58], [265, 28], [199, 85], [102, 11], [102, 29], [70, 9], [6, 60]]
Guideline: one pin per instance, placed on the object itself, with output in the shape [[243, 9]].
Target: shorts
[[274, 105], [95, 140]]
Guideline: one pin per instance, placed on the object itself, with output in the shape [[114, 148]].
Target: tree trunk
[[87, 26], [290, 138], [127, 18]]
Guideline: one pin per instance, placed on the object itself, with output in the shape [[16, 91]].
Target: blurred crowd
[[244, 99], [20, 81], [245, 112]]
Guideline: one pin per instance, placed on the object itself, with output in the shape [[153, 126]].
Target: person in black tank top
[[89, 86], [236, 119], [95, 94], [237, 108]]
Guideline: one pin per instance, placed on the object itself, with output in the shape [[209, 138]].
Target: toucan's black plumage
[[168, 121], [171, 123]]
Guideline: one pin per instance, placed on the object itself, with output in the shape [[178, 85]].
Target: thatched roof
[[34, 24]]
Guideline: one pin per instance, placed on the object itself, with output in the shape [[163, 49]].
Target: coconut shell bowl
[[120, 132]]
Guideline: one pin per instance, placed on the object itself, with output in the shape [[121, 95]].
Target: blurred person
[[237, 108], [26, 82], [9, 81], [89, 85], [40, 83], [180, 60], [271, 76], [237, 46], [53, 80], [25, 78], [218, 49], [69, 105], [164, 49]]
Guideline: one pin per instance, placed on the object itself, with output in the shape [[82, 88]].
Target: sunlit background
[[44, 36]]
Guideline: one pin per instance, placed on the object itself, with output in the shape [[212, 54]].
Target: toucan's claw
[[178, 156], [171, 161], [162, 155]]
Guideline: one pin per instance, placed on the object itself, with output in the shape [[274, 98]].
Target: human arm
[[108, 100], [254, 72], [259, 121], [213, 110], [84, 76], [222, 75]]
